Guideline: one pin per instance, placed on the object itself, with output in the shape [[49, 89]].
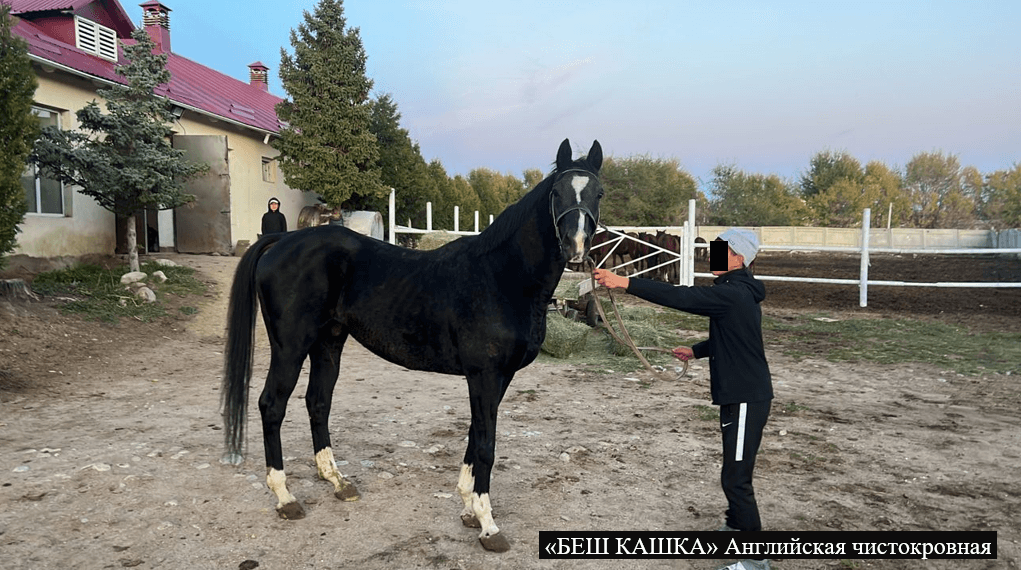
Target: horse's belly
[[413, 349]]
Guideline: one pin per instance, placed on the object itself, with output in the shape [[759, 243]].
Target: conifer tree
[[401, 166], [326, 145], [123, 158], [18, 129]]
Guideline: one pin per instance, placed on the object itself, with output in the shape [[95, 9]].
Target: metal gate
[[204, 226]]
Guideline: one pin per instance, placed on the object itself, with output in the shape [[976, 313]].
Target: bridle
[[580, 207]]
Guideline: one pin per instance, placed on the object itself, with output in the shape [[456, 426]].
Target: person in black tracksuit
[[273, 220], [740, 380]]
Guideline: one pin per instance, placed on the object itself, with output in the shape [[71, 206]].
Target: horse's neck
[[540, 255]]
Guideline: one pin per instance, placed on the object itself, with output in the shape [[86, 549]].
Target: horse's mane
[[511, 219]]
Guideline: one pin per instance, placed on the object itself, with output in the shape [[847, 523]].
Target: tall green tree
[[496, 191], [891, 203], [327, 145], [531, 178], [999, 200], [18, 129], [441, 195], [123, 159], [401, 165], [742, 199], [828, 168], [643, 191], [934, 183]]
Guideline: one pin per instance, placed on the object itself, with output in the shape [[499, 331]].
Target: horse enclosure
[[670, 253]]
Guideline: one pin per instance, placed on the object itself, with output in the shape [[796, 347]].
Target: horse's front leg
[[474, 480]]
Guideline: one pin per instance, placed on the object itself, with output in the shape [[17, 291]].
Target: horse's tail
[[241, 314]]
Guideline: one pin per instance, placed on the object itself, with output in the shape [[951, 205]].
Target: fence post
[[429, 216], [690, 244], [864, 259], [456, 218], [477, 222], [391, 217]]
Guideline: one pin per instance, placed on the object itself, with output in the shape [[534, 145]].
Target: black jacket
[[273, 222], [738, 366]]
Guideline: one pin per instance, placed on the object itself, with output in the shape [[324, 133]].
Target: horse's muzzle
[[574, 248]]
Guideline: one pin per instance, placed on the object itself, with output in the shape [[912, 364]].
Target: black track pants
[[741, 429]]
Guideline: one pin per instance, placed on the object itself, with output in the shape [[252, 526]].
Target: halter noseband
[[557, 217]]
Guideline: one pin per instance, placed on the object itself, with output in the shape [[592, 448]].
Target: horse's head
[[575, 200]]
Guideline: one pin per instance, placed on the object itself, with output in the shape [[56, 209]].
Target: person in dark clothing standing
[[739, 375], [273, 221]]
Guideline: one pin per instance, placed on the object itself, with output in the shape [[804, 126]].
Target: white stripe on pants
[[740, 446]]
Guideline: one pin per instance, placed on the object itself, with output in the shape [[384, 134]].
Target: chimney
[[156, 20], [257, 75]]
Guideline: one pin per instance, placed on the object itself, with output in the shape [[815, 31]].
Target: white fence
[[899, 240]]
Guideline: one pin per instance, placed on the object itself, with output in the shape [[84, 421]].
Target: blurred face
[[734, 261], [274, 206]]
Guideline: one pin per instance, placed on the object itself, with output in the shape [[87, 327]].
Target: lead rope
[[627, 341]]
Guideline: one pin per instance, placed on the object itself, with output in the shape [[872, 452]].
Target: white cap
[[743, 242]]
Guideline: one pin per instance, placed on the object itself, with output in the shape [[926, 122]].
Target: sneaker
[[748, 565], [726, 528]]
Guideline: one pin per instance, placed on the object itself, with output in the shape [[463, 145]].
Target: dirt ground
[[110, 438]]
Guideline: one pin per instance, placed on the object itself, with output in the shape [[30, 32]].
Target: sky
[[760, 85]]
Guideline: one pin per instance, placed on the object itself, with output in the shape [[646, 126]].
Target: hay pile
[[565, 337], [434, 240], [643, 325]]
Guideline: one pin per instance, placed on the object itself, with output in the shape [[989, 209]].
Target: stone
[[132, 277]]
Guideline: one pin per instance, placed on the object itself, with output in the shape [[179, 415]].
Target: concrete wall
[[85, 227], [897, 238]]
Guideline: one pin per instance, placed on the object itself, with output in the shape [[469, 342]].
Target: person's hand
[[683, 353], [610, 280]]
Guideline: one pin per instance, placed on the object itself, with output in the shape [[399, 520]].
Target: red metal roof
[[192, 85], [116, 17]]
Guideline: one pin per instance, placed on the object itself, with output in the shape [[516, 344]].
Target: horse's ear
[[564, 156], [595, 156]]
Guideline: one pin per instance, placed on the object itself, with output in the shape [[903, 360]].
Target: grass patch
[[97, 294], [883, 341], [889, 341]]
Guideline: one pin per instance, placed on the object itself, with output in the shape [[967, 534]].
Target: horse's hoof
[[291, 511], [495, 543], [348, 493], [232, 459], [470, 521]]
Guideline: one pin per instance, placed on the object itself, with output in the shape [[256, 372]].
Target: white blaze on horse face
[[579, 183], [276, 481]]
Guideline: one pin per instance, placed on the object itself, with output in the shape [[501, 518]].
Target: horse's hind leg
[[324, 359], [280, 383]]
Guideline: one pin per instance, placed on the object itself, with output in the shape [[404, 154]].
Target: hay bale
[[436, 239], [564, 337], [643, 326]]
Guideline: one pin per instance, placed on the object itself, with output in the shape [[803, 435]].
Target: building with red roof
[[75, 47]]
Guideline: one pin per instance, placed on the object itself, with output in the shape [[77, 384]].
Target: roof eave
[[67, 69]]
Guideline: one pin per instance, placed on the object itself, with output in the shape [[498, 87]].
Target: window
[[269, 169], [95, 39], [44, 196]]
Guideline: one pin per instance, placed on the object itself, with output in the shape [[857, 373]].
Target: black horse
[[475, 307]]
